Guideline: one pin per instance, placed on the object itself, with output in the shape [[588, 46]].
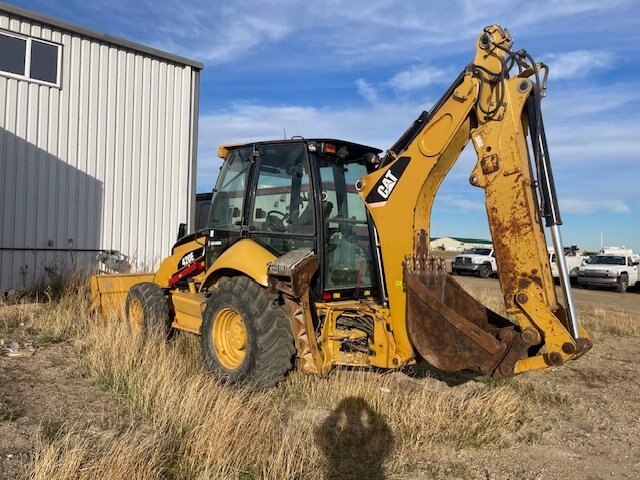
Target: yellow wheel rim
[[229, 336], [136, 315]]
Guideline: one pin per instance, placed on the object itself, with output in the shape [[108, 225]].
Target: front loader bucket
[[453, 331], [109, 292]]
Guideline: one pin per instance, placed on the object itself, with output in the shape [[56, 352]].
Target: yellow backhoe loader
[[317, 250]]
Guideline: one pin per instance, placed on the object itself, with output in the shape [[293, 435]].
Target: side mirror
[[182, 230], [260, 213], [235, 213], [636, 263]]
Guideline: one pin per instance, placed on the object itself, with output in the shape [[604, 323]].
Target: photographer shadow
[[355, 440]]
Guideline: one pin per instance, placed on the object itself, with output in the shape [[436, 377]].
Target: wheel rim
[[229, 336], [136, 315]]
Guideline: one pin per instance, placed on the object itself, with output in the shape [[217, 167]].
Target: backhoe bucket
[[453, 331]]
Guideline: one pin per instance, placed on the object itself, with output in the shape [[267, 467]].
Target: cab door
[[282, 213]]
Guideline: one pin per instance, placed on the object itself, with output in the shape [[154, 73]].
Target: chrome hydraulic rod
[[565, 282]]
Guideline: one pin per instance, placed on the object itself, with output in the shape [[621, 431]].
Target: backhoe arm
[[429, 311]]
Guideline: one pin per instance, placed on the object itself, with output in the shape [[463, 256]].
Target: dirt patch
[[42, 395], [594, 433]]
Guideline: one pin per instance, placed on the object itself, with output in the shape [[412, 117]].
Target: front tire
[[246, 334], [147, 311], [623, 283], [485, 271]]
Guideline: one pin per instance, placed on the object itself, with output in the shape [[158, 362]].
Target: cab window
[[283, 200], [228, 197], [348, 255], [282, 217]]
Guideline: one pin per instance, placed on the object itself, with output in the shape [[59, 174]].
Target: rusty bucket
[[452, 330]]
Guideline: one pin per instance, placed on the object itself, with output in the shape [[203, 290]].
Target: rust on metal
[[291, 274], [490, 164], [451, 329]]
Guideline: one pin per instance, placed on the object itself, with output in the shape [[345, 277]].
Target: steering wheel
[[275, 221]]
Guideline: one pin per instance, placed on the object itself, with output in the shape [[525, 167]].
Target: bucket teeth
[[425, 265]]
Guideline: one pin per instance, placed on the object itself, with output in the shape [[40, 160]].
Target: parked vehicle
[[479, 261], [612, 267], [574, 260]]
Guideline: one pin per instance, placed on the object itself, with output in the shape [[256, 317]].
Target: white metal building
[[97, 147], [457, 244]]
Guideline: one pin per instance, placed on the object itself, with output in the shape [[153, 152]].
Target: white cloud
[[366, 91], [369, 32], [448, 202], [583, 206], [418, 77], [579, 63], [379, 126], [563, 102], [579, 146]]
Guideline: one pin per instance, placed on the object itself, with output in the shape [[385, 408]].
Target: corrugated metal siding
[[106, 161]]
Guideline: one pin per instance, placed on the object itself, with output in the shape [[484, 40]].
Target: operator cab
[[300, 194]]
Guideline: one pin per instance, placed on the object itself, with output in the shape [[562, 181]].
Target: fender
[[185, 254], [235, 258]]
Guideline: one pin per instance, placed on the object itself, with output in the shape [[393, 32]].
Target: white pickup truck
[[612, 267], [478, 261], [573, 258]]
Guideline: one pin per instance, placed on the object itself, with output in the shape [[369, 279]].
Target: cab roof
[[356, 149]]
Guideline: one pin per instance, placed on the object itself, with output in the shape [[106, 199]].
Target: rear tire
[[485, 271], [147, 311], [623, 283], [246, 334]]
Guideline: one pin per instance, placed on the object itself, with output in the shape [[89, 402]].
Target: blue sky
[[364, 70]]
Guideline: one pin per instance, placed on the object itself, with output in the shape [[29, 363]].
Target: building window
[[29, 58], [14, 54]]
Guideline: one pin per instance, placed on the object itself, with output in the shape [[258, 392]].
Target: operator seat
[[305, 219]]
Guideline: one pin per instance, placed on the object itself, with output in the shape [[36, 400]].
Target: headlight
[[477, 260]]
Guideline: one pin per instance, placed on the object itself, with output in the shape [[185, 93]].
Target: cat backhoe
[[317, 250]]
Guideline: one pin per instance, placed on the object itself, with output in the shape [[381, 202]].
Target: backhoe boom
[[429, 310]]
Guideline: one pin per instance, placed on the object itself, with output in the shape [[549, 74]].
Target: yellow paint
[[224, 150], [109, 292], [244, 256], [229, 337], [188, 308], [171, 265], [136, 315]]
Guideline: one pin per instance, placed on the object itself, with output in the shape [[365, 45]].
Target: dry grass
[[177, 422], [353, 422], [596, 321], [599, 321]]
